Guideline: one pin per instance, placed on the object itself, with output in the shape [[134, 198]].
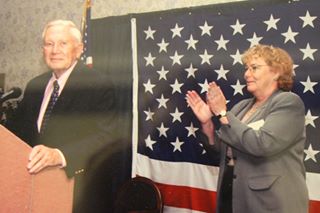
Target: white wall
[[21, 24]]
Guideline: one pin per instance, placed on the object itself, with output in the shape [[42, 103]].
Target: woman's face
[[261, 79]]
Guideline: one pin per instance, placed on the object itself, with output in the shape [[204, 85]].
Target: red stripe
[[188, 197], [314, 206], [200, 199]]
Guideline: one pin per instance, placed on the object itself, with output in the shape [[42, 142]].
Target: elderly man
[[65, 113]]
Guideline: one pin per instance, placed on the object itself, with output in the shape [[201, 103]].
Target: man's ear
[[79, 50]]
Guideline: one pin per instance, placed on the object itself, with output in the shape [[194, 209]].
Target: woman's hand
[[215, 99], [199, 107]]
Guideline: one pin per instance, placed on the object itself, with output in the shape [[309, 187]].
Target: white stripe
[[169, 209], [134, 96], [178, 173], [313, 182], [197, 175]]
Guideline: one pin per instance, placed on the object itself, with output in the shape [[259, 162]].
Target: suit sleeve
[[93, 128]]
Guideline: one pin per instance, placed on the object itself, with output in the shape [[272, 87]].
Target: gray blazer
[[269, 174]]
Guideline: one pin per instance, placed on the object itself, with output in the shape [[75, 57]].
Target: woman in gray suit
[[261, 140]]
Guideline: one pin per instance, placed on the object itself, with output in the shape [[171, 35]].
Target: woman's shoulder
[[287, 96], [287, 99]]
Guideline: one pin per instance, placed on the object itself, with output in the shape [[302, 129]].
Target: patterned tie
[[52, 101]]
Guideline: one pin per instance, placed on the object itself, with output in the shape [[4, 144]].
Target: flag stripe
[[180, 210], [181, 173], [180, 196], [314, 206], [313, 186]]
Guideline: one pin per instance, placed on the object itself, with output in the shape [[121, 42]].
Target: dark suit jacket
[[80, 123]]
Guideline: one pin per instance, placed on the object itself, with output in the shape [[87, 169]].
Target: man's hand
[[41, 157]]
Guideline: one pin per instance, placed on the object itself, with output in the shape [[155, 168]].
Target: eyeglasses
[[50, 45], [255, 67]]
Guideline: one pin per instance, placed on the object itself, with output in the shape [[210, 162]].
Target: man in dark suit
[[69, 128]]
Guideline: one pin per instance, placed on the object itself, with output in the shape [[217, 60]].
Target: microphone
[[14, 92]]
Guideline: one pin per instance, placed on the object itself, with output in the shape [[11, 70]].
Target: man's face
[[60, 49]]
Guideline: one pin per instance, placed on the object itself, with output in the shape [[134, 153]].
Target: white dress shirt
[[49, 88]]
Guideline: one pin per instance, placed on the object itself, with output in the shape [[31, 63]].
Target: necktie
[[52, 101]]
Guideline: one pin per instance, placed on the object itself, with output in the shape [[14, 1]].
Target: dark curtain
[[111, 45]]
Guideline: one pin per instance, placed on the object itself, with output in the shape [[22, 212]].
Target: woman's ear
[[276, 77]]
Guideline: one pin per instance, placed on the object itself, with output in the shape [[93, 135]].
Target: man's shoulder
[[89, 78], [39, 80], [83, 70]]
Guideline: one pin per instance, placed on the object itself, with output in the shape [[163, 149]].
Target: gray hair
[[72, 27]]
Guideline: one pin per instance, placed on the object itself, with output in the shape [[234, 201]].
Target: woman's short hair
[[276, 58]]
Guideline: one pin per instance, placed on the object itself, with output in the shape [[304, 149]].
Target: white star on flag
[[176, 115], [222, 43], [149, 142], [162, 130], [176, 31], [191, 130], [191, 71], [254, 40], [205, 57], [310, 154], [289, 35], [162, 73], [162, 102], [191, 43], [204, 86], [163, 46], [176, 58], [177, 145], [205, 29], [176, 87], [238, 88], [221, 73], [309, 119], [307, 19], [236, 57], [149, 33], [308, 52], [149, 86], [308, 85], [149, 114], [272, 23], [149, 59], [237, 28]]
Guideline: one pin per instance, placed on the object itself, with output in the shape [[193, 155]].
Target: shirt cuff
[[64, 162]]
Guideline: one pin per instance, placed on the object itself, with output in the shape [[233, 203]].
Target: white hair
[[72, 27]]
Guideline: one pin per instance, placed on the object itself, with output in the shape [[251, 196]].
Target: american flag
[[86, 56], [176, 51]]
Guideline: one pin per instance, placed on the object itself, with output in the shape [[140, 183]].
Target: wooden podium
[[49, 191]]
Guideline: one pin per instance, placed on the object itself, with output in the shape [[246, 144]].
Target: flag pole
[[85, 32], [86, 6]]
